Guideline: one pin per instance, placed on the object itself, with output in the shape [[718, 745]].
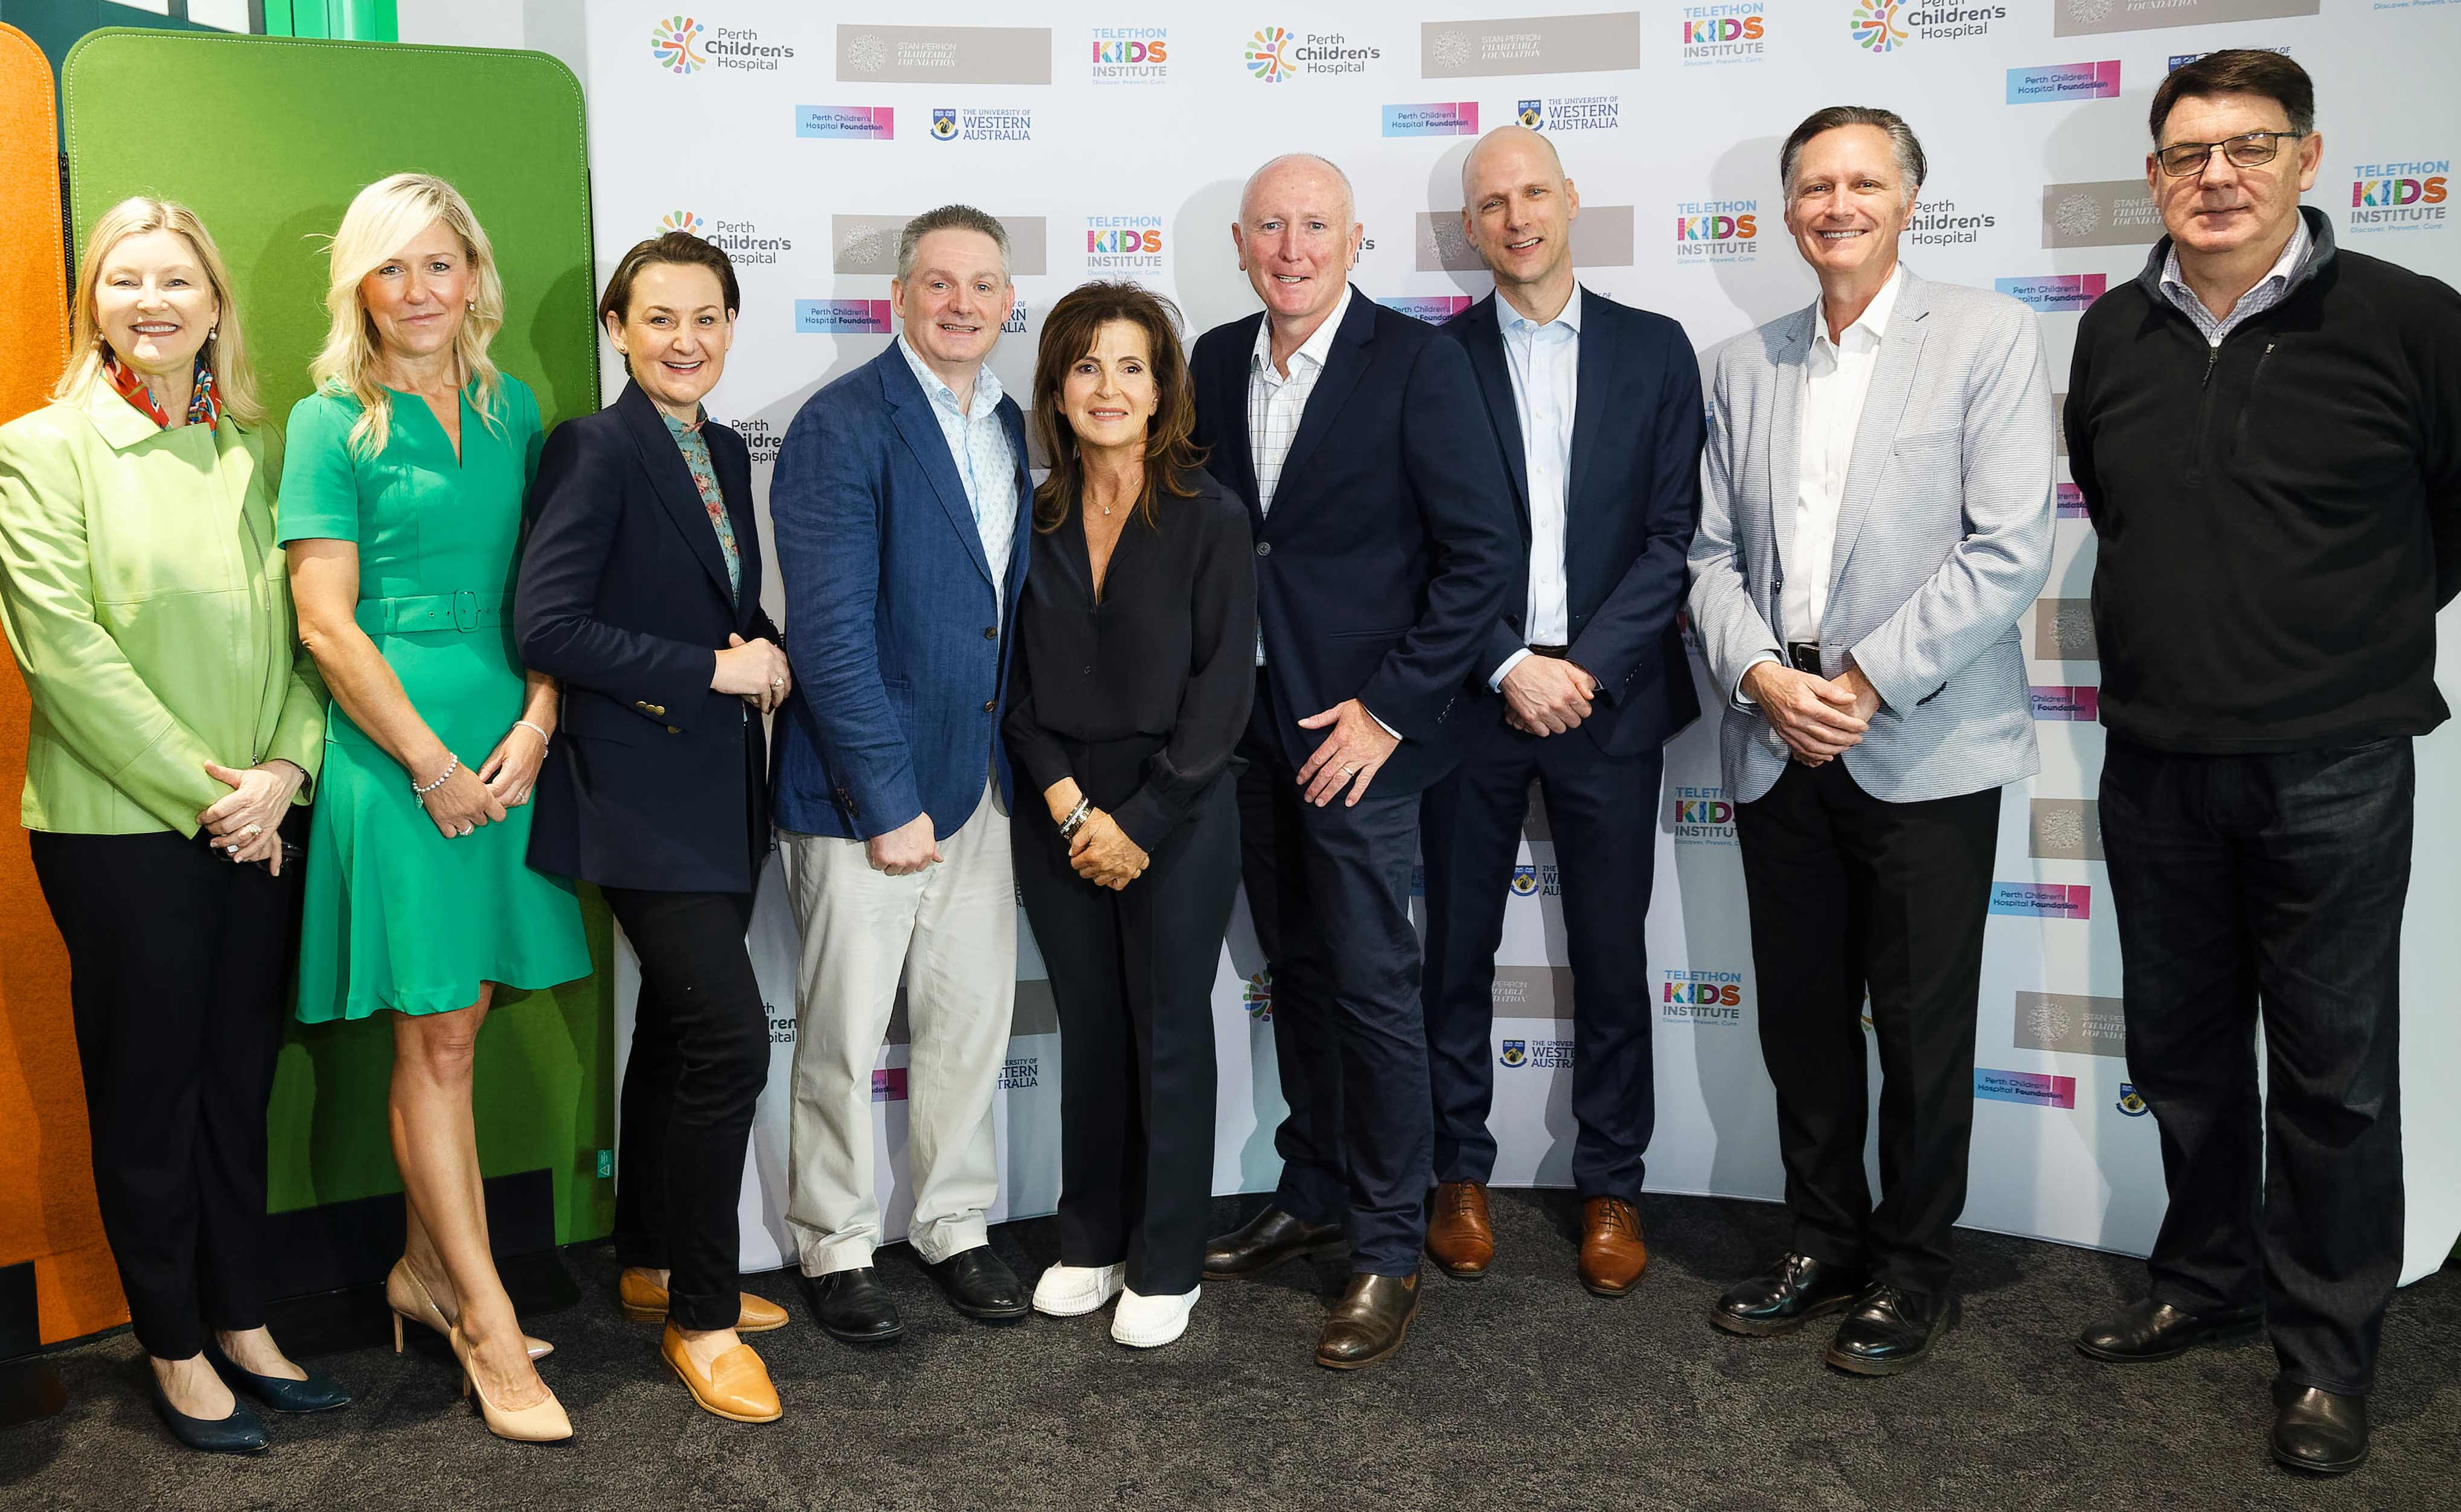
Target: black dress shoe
[[1781, 1298], [241, 1433], [1889, 1332], [315, 1394], [854, 1307], [2321, 1432], [2147, 1330], [1266, 1240], [980, 1284], [1370, 1321]]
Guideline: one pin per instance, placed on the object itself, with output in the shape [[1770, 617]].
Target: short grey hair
[[1902, 142], [949, 218], [1349, 195]]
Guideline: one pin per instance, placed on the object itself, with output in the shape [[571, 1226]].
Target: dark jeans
[[1850, 893], [2270, 885], [1330, 891], [178, 959], [700, 1056], [1132, 976], [1602, 812]]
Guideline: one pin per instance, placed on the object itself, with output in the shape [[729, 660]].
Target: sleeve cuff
[[1381, 725], [1740, 701], [1495, 679]]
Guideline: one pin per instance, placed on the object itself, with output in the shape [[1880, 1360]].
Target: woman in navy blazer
[[640, 591]]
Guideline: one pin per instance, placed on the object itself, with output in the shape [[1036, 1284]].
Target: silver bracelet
[[546, 742], [1075, 818], [452, 764]]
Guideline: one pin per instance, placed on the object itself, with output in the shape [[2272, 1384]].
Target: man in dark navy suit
[[1384, 551], [1580, 679]]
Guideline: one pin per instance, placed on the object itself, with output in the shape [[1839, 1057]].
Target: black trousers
[[1132, 975], [1850, 893], [2270, 887], [177, 960], [1603, 813], [700, 1056], [1330, 891]]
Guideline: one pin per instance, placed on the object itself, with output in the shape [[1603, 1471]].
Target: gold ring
[[253, 830], [1350, 771]]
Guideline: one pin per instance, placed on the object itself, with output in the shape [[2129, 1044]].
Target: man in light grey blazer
[[1877, 510]]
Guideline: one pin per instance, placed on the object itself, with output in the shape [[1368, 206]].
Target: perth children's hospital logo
[[681, 221], [675, 43], [1268, 55], [1878, 27]]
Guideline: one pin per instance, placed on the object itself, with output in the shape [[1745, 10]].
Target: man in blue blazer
[[902, 515], [1385, 548], [1581, 678]]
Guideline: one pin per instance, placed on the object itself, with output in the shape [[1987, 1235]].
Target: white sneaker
[[1071, 1292], [1149, 1322]]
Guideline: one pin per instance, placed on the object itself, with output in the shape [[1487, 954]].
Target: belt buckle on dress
[[465, 610]]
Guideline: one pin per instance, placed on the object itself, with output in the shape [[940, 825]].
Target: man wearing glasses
[[2267, 431]]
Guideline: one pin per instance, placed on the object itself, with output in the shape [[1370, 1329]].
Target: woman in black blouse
[[1134, 669]]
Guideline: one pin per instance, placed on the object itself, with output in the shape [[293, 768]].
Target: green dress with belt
[[398, 916]]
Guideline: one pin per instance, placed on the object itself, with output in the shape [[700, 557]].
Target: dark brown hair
[[674, 247], [1903, 146], [1068, 333], [2239, 71]]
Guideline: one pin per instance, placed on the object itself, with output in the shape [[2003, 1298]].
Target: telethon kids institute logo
[[1701, 816], [1724, 33], [674, 43], [1723, 230], [1702, 997], [2399, 196], [1124, 244], [1132, 55], [1571, 112]]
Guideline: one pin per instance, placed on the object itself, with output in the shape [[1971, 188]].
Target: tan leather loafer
[[1613, 1256], [1459, 1240], [736, 1386], [645, 1299]]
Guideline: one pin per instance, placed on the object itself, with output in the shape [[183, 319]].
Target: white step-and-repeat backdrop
[[1112, 139]]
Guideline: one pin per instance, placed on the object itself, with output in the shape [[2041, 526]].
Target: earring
[[212, 331]]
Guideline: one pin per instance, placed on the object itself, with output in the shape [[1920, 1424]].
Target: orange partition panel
[[47, 1213]]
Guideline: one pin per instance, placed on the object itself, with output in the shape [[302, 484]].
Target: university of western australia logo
[[944, 123], [1572, 113], [674, 42], [1716, 230], [1516, 1053], [1525, 880], [1268, 55], [2399, 196], [972, 123], [1531, 113], [1877, 26], [681, 221], [2131, 1102]]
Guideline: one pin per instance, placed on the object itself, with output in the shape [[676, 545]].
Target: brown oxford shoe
[[1613, 1255], [1370, 1321], [1459, 1240], [642, 1297]]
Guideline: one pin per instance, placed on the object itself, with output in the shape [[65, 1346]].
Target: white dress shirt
[[978, 444], [1836, 380], [1275, 403], [1545, 361]]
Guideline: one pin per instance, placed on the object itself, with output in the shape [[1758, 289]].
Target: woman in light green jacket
[[175, 728]]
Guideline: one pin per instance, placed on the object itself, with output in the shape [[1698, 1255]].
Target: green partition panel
[[296, 129]]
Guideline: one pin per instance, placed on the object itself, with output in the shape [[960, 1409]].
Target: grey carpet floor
[[1517, 1391]]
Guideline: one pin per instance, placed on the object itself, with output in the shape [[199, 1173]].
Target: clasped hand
[[1547, 696], [245, 823], [756, 672], [1819, 718], [1102, 854]]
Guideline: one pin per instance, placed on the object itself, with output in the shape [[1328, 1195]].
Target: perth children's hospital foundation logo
[[675, 43]]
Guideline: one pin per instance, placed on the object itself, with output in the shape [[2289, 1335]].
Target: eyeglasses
[[2251, 150]]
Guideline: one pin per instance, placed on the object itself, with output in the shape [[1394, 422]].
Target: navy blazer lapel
[[671, 478], [732, 458], [1343, 366], [1494, 370], [1233, 460], [1593, 373], [920, 426], [1020, 540]]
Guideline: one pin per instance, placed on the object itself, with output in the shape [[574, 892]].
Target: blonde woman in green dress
[[401, 505]]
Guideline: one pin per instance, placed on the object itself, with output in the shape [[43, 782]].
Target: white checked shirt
[[978, 444], [2266, 293], [1276, 404], [1546, 365]]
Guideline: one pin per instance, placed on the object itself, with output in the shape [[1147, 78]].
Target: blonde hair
[[384, 218], [225, 350]]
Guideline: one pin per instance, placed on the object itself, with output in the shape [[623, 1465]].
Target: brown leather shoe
[[1459, 1240], [1370, 1321], [645, 1299], [736, 1386], [1264, 1242], [1613, 1256]]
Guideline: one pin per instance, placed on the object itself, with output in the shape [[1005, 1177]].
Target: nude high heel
[[541, 1423], [408, 1297]]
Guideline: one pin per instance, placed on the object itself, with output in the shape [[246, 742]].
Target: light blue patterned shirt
[[978, 444], [2267, 292]]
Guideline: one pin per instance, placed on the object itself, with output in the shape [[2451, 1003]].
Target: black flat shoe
[[315, 1394], [2142, 1332], [980, 1284], [2322, 1433], [1786, 1295], [1264, 1242], [241, 1433], [1890, 1332], [854, 1308]]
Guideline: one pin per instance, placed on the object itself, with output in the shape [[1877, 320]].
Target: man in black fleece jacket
[[2267, 431]]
